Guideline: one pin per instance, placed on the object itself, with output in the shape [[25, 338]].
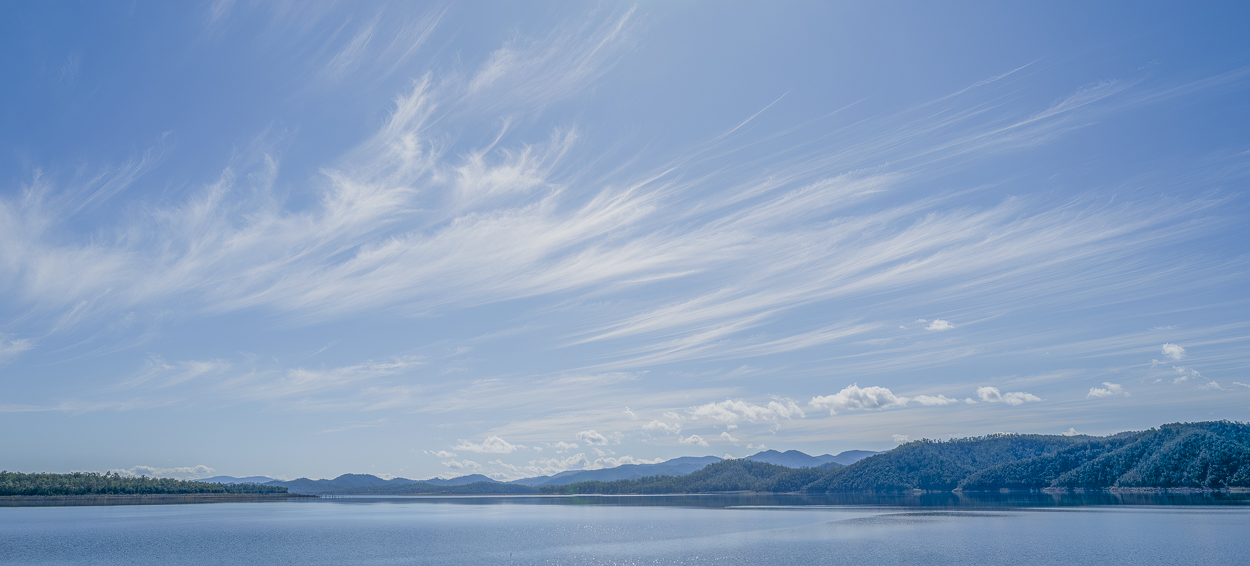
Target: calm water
[[633, 530]]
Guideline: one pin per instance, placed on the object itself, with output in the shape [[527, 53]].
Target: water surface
[[629, 530]]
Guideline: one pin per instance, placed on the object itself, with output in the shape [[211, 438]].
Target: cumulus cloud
[[492, 445], [853, 398], [901, 438], [182, 473], [595, 438], [993, 395], [1211, 385], [757, 447], [441, 453], [730, 411], [729, 438], [1070, 432], [939, 324], [930, 401], [562, 446], [695, 440], [1108, 389], [592, 437], [1174, 352], [674, 428]]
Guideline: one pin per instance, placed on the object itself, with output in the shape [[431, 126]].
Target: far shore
[[142, 499]]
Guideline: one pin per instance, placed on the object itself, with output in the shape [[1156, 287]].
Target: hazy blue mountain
[[478, 483], [339, 484], [851, 456], [462, 480], [230, 480], [796, 459], [675, 467], [790, 459]]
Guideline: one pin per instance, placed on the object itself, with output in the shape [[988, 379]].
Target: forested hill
[[92, 483], [1207, 455]]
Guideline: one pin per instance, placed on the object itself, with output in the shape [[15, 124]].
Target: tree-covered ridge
[[1208, 455], [94, 483]]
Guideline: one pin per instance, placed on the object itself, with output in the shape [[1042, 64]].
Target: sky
[[303, 239]]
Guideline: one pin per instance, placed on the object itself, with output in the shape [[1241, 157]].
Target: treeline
[[1207, 455], [111, 483]]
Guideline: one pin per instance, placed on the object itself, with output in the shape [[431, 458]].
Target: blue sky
[[302, 239]]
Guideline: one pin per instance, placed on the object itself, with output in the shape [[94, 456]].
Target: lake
[[686, 530]]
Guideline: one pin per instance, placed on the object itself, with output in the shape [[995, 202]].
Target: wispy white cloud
[[352, 426], [527, 72], [900, 438], [729, 438], [1185, 374], [939, 324], [11, 347]]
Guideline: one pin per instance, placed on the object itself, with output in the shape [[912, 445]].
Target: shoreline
[[142, 499]]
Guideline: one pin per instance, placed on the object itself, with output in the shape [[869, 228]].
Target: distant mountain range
[[476, 483], [675, 467], [1207, 455]]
